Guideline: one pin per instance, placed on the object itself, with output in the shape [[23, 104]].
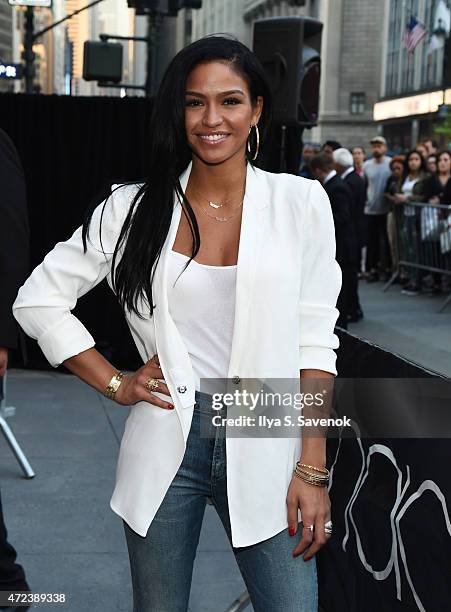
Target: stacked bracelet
[[319, 480], [114, 385]]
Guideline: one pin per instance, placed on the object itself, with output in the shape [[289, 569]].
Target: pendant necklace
[[212, 204], [221, 219]]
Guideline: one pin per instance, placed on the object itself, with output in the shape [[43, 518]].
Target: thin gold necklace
[[213, 204], [221, 219]]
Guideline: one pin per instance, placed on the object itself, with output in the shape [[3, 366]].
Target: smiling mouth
[[214, 138]]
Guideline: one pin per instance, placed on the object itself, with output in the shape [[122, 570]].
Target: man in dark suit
[[341, 200], [14, 268], [344, 165]]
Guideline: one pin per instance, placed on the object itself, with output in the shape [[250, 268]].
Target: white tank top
[[202, 305]]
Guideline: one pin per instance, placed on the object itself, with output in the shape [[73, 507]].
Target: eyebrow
[[223, 93]]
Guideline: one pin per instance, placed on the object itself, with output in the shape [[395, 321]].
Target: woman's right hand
[[133, 386]]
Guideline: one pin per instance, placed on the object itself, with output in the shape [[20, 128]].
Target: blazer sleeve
[[44, 303], [320, 285]]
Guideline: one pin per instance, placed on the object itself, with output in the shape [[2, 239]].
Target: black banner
[[391, 506]]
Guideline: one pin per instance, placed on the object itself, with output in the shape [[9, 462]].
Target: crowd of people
[[377, 223]]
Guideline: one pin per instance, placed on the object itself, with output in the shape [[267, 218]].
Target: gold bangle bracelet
[[312, 467], [312, 475], [313, 482], [114, 385]]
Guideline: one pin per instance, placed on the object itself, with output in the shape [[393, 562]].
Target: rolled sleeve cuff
[[317, 338], [65, 339], [317, 358]]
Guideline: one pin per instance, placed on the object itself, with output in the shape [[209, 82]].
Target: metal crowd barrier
[[5, 429], [422, 241]]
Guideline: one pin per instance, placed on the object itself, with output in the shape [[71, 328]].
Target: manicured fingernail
[[292, 531], [170, 406]]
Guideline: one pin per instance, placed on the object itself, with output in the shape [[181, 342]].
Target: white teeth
[[214, 137]]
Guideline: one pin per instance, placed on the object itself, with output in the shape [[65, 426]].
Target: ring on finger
[[151, 384], [311, 527]]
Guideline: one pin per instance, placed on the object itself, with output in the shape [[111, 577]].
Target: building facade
[[350, 73], [6, 41], [415, 85], [217, 16]]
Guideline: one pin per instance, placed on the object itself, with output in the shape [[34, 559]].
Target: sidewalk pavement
[[407, 325], [67, 538]]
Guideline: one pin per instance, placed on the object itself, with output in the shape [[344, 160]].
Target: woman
[[244, 283], [437, 190], [411, 189], [392, 188], [358, 154]]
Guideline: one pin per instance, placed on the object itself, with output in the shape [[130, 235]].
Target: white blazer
[[287, 286]]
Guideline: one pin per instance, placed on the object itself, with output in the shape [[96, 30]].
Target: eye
[[192, 102], [233, 100]]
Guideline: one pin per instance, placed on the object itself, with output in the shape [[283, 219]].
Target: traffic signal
[[175, 5], [166, 7], [144, 7], [289, 49], [102, 61]]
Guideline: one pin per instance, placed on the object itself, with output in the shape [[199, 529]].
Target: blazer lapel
[[174, 358], [253, 223]]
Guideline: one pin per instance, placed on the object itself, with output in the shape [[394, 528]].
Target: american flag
[[414, 33]]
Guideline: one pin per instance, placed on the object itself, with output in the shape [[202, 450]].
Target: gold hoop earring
[[257, 134]]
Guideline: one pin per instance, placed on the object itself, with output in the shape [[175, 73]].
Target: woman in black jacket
[[437, 190]]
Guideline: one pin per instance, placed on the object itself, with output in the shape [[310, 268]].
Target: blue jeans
[[162, 562]]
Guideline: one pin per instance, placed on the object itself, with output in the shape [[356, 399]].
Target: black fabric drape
[[381, 515], [72, 149]]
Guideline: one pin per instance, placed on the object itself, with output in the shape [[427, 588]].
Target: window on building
[[423, 69], [393, 46], [357, 103], [411, 8], [432, 59]]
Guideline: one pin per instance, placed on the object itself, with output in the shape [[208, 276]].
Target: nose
[[212, 115]]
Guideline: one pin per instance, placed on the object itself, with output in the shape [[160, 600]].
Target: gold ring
[[151, 384], [308, 527]]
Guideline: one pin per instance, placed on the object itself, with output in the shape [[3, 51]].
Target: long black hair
[[147, 223], [422, 168]]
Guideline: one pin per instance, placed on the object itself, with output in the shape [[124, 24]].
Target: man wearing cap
[[344, 165], [377, 170]]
